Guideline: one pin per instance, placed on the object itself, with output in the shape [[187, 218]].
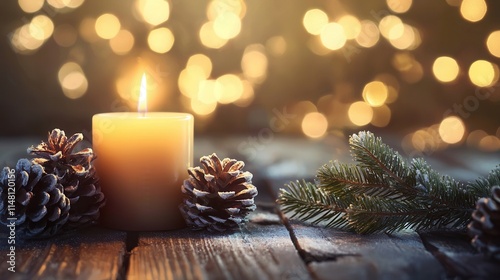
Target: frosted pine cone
[[75, 172], [219, 195], [40, 208], [485, 225]]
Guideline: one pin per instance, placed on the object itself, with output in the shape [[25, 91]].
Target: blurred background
[[425, 71]]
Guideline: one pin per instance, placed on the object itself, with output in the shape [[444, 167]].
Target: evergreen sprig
[[383, 192]]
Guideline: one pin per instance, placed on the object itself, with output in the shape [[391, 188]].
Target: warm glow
[[483, 73], [333, 36], [122, 43], [399, 6], [58, 4], [351, 26], [314, 20], [190, 79], [207, 93], [276, 45], [375, 93], [201, 108], [73, 4], [493, 43], [142, 106], [161, 40], [228, 88], [107, 26], [408, 40], [475, 137], [87, 30], [201, 61], [445, 69], [254, 63], [72, 80], [360, 113], [381, 116], [391, 27], [369, 34], [314, 125], [473, 10], [209, 38], [65, 35], [30, 6], [489, 143], [451, 130], [227, 26], [41, 27], [23, 42], [218, 7], [153, 12], [247, 96]]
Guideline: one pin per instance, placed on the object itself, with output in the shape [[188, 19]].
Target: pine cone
[[37, 201], [219, 196], [485, 225], [75, 172]]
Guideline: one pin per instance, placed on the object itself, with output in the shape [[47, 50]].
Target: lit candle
[[142, 159]]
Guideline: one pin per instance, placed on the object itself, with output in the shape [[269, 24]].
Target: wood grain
[[92, 253], [347, 255], [257, 252]]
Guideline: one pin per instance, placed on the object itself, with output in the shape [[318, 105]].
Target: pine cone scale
[[219, 195]]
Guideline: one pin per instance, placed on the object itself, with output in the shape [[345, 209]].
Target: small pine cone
[[75, 172], [485, 225], [39, 207], [219, 196]]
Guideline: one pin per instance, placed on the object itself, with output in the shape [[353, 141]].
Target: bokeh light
[[314, 125], [409, 39], [314, 20], [473, 10], [375, 93], [153, 12], [218, 7], [360, 113], [87, 30], [107, 26], [209, 38], [72, 80], [228, 88], [399, 6], [493, 43], [381, 116], [254, 63], [227, 26], [483, 73], [445, 69], [391, 27], [41, 27], [351, 26], [22, 40], [333, 36], [30, 6], [122, 43], [369, 34], [201, 61], [451, 130], [276, 45], [161, 40]]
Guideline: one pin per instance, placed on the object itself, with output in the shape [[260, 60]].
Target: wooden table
[[270, 246]]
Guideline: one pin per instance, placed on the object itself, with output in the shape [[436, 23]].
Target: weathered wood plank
[[92, 253], [458, 257], [262, 250], [345, 255]]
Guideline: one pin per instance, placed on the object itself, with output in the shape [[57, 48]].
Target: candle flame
[[143, 100]]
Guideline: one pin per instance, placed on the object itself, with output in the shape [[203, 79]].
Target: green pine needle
[[383, 192]]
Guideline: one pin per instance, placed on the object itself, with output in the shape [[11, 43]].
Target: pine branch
[[342, 181], [371, 153], [382, 192], [306, 202]]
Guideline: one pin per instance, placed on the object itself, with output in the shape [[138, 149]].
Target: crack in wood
[[449, 265], [131, 242]]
